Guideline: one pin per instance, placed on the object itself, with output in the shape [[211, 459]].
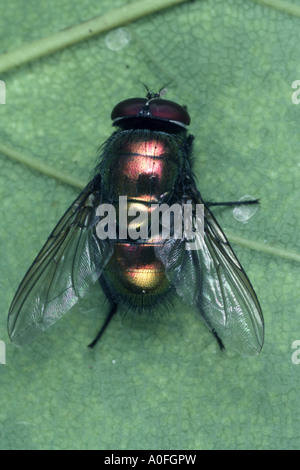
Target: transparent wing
[[211, 278], [70, 261]]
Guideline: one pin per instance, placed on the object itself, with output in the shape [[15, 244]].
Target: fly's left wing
[[71, 260], [211, 278]]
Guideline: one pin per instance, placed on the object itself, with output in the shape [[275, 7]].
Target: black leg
[[233, 203], [112, 311], [220, 343]]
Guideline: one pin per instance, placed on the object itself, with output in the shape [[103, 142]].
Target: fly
[[148, 159]]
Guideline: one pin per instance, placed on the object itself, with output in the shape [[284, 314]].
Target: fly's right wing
[[71, 260], [210, 277]]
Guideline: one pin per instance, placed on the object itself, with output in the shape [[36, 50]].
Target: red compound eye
[[154, 108], [165, 109], [128, 108]]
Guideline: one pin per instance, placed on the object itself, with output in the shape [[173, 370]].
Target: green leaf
[[159, 382]]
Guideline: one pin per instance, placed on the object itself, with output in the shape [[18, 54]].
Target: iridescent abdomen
[[142, 165]]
